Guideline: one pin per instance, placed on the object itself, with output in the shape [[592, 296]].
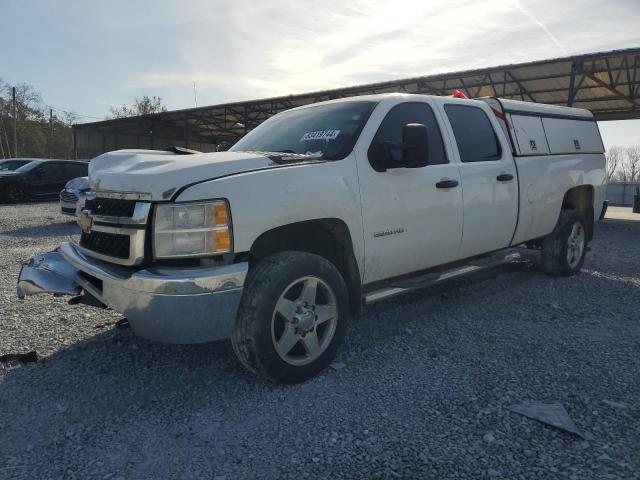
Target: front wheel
[[15, 194], [292, 317], [564, 249]]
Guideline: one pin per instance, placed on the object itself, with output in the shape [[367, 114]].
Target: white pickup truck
[[277, 242]]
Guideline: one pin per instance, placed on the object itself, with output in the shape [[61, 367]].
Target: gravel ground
[[423, 392]]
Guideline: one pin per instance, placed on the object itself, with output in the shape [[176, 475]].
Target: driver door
[[412, 217]]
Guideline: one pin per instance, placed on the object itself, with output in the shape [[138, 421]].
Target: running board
[[399, 287]]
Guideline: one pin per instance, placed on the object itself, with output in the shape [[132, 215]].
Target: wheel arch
[[329, 238], [581, 198]]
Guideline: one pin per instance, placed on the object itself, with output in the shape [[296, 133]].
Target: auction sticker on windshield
[[320, 135]]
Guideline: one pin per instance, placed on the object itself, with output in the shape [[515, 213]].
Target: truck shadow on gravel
[[117, 359]]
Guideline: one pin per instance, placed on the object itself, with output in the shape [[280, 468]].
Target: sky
[[88, 55]]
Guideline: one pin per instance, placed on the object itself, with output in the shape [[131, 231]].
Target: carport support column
[[186, 130], [572, 85], [15, 124]]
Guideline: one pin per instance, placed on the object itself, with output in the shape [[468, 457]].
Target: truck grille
[[108, 207], [115, 230], [111, 244], [68, 197]]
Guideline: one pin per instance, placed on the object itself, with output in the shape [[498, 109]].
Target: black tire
[[14, 193], [556, 246], [253, 338]]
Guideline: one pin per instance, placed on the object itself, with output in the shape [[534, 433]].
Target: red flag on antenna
[[458, 94]]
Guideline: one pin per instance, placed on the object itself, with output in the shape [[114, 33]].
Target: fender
[[266, 199]]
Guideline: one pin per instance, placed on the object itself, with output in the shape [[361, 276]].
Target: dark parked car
[[39, 179]]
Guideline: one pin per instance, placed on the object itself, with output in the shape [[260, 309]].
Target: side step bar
[[399, 287]]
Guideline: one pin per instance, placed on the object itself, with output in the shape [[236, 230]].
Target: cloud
[[244, 50], [537, 22]]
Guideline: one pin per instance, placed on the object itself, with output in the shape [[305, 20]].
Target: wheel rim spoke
[[309, 290], [286, 308], [574, 232], [287, 341], [294, 332], [575, 245], [324, 313], [311, 343]]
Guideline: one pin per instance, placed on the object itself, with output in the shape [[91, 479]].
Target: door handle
[[447, 184], [504, 177]]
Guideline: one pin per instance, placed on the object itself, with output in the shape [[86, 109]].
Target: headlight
[[191, 229]]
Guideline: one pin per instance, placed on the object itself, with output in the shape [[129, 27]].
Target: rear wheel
[[15, 194], [564, 249], [292, 317]]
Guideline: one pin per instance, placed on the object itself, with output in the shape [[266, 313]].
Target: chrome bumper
[[165, 304]]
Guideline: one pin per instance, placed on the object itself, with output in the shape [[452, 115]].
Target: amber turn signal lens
[[220, 240], [221, 214]]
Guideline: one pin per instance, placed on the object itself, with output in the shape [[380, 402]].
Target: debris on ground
[[29, 357], [337, 366], [553, 414], [103, 325], [123, 324]]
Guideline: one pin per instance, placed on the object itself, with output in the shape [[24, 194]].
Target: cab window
[[475, 137]]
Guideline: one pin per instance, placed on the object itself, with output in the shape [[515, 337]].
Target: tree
[[141, 106], [632, 165], [36, 136], [615, 157]]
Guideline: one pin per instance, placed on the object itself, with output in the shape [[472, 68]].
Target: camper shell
[[538, 129]]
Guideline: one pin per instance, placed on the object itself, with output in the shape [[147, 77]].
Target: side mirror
[[414, 150], [415, 146]]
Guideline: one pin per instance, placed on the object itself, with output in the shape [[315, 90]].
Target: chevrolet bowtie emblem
[[85, 221]]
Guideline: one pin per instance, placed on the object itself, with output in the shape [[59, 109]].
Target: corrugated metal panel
[[607, 83]]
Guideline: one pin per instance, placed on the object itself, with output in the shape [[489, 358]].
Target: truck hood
[[157, 175]]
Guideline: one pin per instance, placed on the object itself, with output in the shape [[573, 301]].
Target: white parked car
[[279, 241], [73, 195]]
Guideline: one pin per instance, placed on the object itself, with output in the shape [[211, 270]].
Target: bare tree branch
[[615, 157], [633, 163], [141, 106]]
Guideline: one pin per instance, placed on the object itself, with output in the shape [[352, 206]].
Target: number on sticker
[[320, 135]]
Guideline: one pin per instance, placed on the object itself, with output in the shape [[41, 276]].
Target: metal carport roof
[[607, 83]]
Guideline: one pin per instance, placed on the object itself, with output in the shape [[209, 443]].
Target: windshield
[[11, 165], [326, 131], [28, 166]]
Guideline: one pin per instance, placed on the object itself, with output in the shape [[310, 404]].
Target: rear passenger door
[[489, 180]]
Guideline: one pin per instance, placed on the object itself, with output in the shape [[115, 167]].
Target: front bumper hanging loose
[[166, 304]]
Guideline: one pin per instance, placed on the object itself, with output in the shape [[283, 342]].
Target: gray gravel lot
[[423, 394]]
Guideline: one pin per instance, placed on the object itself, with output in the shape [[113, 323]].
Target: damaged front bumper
[[166, 304]]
